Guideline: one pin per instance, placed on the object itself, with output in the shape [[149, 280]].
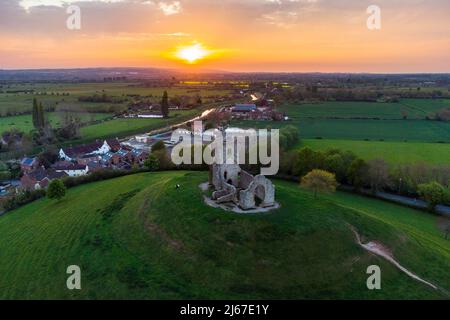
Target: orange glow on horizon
[[192, 54], [226, 37]]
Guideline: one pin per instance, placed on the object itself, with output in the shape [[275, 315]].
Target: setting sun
[[193, 53]]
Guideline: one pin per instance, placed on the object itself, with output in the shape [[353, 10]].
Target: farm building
[[244, 108]]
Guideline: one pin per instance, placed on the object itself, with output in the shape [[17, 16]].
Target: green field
[[65, 96], [349, 129], [129, 126], [141, 238], [364, 121], [392, 152], [372, 130], [25, 123], [52, 94], [412, 108]]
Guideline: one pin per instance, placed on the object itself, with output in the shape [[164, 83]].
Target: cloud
[[27, 4], [170, 8]]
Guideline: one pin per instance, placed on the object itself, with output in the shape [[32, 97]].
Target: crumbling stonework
[[232, 184]]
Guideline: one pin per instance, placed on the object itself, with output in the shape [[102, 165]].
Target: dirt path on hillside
[[380, 250]]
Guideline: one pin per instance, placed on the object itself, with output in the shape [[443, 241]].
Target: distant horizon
[[201, 71]]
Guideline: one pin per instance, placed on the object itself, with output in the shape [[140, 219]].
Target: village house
[[94, 166], [95, 148], [29, 164], [125, 155], [107, 159], [71, 169], [84, 160], [139, 156], [252, 112], [39, 178], [114, 144]]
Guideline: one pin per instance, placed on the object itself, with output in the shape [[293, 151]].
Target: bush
[[433, 193], [56, 190], [22, 199], [152, 163], [104, 174]]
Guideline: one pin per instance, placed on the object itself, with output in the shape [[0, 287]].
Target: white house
[[96, 148], [72, 169]]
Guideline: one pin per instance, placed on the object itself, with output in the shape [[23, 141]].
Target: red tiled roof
[[69, 166], [73, 152], [114, 144]]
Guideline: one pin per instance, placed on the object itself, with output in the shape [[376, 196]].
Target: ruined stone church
[[234, 185]]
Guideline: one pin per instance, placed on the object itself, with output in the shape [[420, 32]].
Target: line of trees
[[429, 182]]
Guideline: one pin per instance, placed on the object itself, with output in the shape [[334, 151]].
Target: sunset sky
[[233, 35]]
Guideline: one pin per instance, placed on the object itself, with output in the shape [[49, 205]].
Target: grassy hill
[[138, 237]]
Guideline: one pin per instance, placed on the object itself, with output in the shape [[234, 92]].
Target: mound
[[139, 237]]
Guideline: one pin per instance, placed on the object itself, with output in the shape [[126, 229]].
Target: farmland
[[399, 132], [19, 97], [410, 108], [391, 151], [16, 98], [123, 127], [24, 122], [141, 238]]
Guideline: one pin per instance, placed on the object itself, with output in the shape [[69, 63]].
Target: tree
[[158, 146], [357, 173], [319, 181], [334, 163], [165, 105], [56, 190], [433, 193], [35, 115], [165, 162], [199, 100], [307, 160], [152, 163], [41, 116], [378, 174], [289, 137], [38, 115], [49, 156]]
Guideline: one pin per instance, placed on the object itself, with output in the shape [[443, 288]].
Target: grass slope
[[139, 237]]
